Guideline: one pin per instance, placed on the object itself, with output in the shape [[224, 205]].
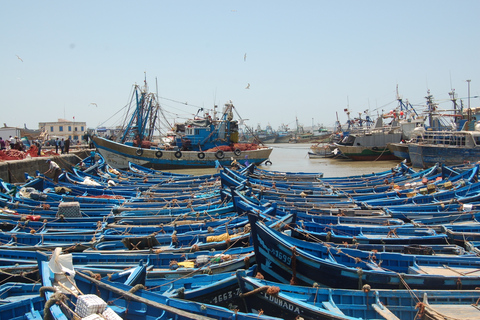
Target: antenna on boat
[[145, 88], [454, 100]]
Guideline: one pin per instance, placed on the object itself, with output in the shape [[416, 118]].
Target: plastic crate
[[93, 317], [89, 304], [69, 209], [109, 314]]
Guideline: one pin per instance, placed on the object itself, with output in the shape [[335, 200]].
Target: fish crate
[[69, 209], [109, 314], [89, 304], [448, 185], [202, 259], [94, 317], [431, 188]]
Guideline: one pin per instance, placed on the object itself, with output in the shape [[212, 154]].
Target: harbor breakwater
[[13, 171]]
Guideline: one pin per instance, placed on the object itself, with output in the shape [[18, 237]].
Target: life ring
[[158, 154], [268, 163], [237, 152], [178, 154], [139, 152], [201, 155], [219, 154]]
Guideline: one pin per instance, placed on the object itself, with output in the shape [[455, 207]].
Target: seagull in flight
[[248, 86], [244, 57], [19, 58], [94, 104]]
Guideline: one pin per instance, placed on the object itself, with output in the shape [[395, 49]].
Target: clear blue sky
[[304, 59]]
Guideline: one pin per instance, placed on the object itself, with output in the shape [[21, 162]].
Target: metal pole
[[469, 111]]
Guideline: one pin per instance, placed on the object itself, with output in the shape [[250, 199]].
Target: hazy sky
[[305, 59]]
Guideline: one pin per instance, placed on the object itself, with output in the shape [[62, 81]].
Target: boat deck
[[445, 271], [452, 311]]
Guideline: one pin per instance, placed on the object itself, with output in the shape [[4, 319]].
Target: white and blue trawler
[[202, 142]]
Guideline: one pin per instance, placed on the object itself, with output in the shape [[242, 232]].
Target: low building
[[7, 132], [25, 133], [75, 130]]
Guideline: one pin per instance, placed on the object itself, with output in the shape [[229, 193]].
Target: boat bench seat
[[373, 266], [332, 307], [384, 312], [415, 270]]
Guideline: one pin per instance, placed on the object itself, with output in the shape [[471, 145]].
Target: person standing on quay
[[55, 168], [62, 145], [67, 145], [39, 146], [2, 144], [57, 144], [11, 142]]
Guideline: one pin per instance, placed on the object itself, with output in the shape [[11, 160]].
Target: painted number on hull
[[226, 296], [281, 256]]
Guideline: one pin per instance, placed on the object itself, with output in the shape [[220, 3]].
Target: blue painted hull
[[285, 259], [399, 150], [423, 156], [316, 303]]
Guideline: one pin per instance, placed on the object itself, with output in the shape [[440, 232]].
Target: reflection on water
[[293, 157]]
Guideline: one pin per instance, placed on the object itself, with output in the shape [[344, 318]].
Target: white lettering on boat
[[226, 296], [282, 303], [281, 256]]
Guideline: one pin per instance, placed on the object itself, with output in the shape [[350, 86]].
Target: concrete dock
[[13, 171]]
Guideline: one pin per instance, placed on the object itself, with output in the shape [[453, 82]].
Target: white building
[[30, 134], [74, 130]]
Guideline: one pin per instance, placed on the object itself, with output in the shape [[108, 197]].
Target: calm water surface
[[294, 158]]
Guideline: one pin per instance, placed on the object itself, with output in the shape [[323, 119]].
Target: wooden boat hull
[[21, 301], [292, 302], [360, 153], [423, 156], [119, 155], [399, 150], [284, 259], [283, 138]]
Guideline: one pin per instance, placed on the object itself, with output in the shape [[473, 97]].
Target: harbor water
[[293, 157]]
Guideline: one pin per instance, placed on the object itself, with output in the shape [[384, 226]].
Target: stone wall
[[13, 171]]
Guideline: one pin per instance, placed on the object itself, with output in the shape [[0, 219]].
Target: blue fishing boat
[[204, 141], [313, 302], [446, 147], [21, 301], [217, 289], [83, 295], [285, 259]]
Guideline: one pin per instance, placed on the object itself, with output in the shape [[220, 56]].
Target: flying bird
[[19, 58], [245, 57], [248, 86], [94, 104]]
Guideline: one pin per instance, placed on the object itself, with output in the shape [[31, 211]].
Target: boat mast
[[142, 122], [431, 107], [454, 101]]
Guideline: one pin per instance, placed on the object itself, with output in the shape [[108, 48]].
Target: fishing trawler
[[201, 142]]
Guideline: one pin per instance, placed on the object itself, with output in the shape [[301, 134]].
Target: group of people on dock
[[12, 143], [63, 145]]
